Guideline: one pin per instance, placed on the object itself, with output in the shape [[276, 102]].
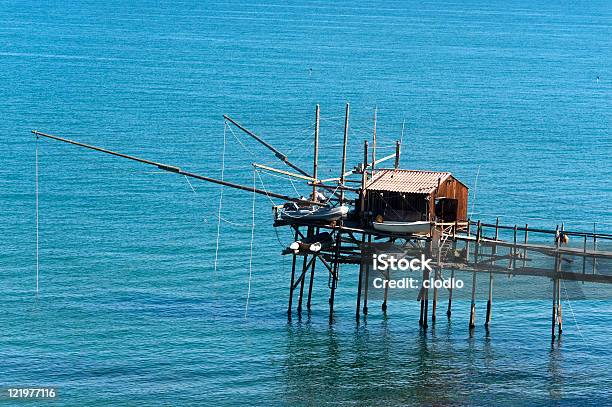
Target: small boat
[[291, 211], [397, 227]]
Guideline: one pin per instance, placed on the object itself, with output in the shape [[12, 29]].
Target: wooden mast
[[316, 154], [346, 126], [374, 143], [276, 152]]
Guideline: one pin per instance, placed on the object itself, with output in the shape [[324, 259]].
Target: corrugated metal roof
[[408, 181]]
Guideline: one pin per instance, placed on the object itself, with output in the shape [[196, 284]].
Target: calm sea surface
[[514, 98]]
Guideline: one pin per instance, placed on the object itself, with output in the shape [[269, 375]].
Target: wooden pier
[[409, 211]]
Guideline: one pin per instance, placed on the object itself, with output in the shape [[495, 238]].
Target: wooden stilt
[[312, 271], [426, 292], [386, 293], [473, 304], [426, 304], [490, 298], [489, 301], [422, 306], [304, 266], [559, 311], [437, 276], [558, 269], [554, 309], [467, 242], [303, 275], [450, 296], [360, 281], [434, 302], [334, 279], [366, 281], [292, 280], [514, 248], [584, 256], [525, 249]]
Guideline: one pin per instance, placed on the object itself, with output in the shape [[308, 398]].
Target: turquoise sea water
[[130, 309]]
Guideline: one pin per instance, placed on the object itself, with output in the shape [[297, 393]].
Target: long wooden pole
[[176, 170], [346, 127], [374, 144], [315, 164], [276, 152], [364, 181], [397, 154]]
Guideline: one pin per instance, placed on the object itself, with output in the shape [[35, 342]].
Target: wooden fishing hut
[[412, 195]]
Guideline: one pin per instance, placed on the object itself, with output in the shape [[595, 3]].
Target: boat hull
[[412, 228], [321, 214]]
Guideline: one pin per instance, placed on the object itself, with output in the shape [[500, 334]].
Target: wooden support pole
[[312, 271], [514, 248], [334, 279], [584, 256], [525, 249], [360, 281], [594, 247], [558, 269], [490, 297], [450, 296], [422, 304], [426, 305], [304, 266], [554, 308], [385, 293], [344, 144], [367, 280], [292, 280], [397, 154], [467, 242], [426, 278], [489, 301], [437, 276], [304, 271], [315, 165], [473, 303], [559, 310]]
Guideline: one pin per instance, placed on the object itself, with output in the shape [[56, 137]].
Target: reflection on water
[[390, 361]]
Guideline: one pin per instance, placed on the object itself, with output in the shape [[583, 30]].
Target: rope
[[221, 218], [475, 190], [37, 229], [246, 307], [240, 142], [572, 310], [220, 195]]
